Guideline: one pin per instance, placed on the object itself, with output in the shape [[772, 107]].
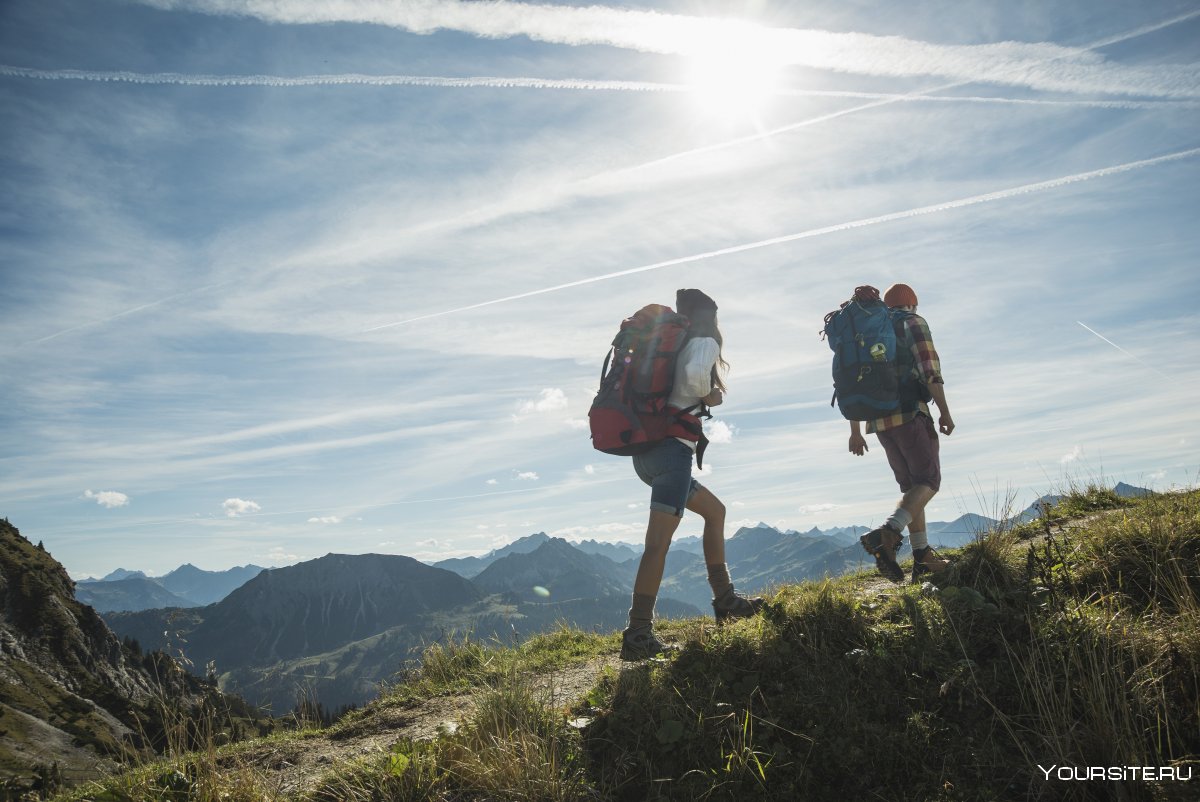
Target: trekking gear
[[731, 606], [883, 543], [927, 561], [640, 643], [629, 414], [874, 373], [863, 340]]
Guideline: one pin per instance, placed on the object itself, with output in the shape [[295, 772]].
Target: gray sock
[[718, 579], [641, 614], [900, 519], [918, 540]]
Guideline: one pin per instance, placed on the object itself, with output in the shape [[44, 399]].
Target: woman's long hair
[[704, 324]]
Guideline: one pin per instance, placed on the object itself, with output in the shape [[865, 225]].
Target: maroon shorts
[[912, 451]]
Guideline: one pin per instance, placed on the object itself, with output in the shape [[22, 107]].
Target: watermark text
[[1150, 774]]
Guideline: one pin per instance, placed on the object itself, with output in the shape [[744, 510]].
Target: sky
[[285, 279]]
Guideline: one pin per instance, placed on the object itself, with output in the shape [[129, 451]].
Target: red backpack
[[630, 414]]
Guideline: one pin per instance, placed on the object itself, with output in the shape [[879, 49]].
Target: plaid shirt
[[928, 370]]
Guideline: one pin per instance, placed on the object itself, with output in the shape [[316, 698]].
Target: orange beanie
[[899, 295]]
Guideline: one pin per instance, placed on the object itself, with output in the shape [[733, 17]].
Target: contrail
[[1025, 189], [133, 310], [1122, 350], [525, 82], [279, 81]]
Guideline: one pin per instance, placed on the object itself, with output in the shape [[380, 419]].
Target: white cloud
[[1038, 65], [809, 509], [578, 424], [1071, 456], [492, 482], [527, 476], [328, 519], [590, 470], [630, 532], [235, 506], [108, 498], [718, 431], [550, 400], [281, 556]]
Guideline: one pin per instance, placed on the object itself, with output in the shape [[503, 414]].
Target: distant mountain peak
[[121, 573], [522, 545], [557, 566]]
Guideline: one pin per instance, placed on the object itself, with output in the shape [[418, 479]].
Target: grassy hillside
[[1059, 650]]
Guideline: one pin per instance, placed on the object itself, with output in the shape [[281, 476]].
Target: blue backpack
[[861, 333]]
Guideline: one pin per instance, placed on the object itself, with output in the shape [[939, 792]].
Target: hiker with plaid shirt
[[911, 443]]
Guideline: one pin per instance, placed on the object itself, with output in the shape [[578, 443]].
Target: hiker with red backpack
[[886, 370], [664, 374]]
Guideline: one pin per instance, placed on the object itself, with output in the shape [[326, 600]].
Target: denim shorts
[[668, 470]]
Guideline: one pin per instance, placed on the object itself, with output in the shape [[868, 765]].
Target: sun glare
[[733, 78]]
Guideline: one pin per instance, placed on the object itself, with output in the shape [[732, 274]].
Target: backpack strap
[[912, 389], [687, 422]]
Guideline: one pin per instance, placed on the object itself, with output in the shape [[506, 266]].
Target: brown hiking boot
[[927, 561], [883, 543], [731, 606], [639, 643]]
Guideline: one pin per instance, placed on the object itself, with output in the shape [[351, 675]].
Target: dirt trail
[[295, 765]]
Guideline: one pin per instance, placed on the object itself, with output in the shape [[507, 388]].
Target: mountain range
[[336, 626], [186, 586], [189, 586]]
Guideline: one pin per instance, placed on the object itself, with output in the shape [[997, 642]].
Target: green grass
[[463, 664], [1079, 649]]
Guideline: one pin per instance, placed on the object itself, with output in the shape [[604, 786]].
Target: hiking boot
[[927, 561], [640, 643], [883, 543], [731, 605]]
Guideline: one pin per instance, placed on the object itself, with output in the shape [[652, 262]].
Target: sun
[[734, 78]]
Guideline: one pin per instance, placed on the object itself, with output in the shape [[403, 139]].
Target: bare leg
[[914, 502], [659, 532], [710, 508]]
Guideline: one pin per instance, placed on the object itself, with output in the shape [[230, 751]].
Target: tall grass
[[184, 749], [1112, 667], [512, 747], [1080, 651]]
